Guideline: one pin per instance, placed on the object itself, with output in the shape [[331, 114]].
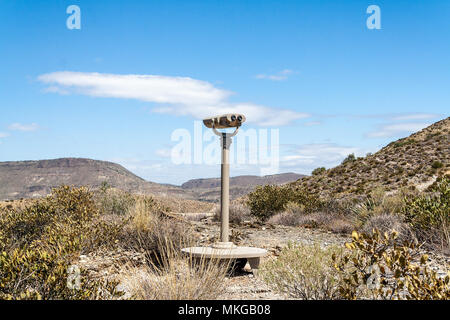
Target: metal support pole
[[225, 189]]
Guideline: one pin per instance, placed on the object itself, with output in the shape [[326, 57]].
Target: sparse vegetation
[[437, 165], [351, 157], [318, 171], [397, 200], [304, 272], [371, 266], [238, 213], [408, 163], [39, 243], [266, 201], [429, 214], [379, 267], [176, 277]]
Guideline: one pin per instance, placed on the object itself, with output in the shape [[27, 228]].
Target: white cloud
[[24, 127], [137, 165], [164, 153], [175, 95], [414, 116], [305, 158], [392, 130], [312, 123], [330, 152], [280, 76], [3, 135]]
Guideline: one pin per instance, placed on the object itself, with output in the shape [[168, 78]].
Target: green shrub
[[429, 214], [437, 165], [318, 171], [304, 272], [265, 201], [351, 157], [114, 201], [379, 267], [40, 274], [40, 242]]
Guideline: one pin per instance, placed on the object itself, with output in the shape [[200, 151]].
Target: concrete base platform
[[253, 255]]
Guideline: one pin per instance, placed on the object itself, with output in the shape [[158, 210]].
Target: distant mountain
[[412, 162], [31, 179], [209, 189]]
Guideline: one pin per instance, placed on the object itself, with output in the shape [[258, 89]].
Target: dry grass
[[116, 201], [285, 219], [388, 223], [148, 227], [324, 220], [176, 277], [377, 203], [179, 205], [238, 213], [166, 274]]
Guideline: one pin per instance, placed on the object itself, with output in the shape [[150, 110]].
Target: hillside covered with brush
[[413, 162]]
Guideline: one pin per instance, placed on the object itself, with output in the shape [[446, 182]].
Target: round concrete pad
[[233, 253]]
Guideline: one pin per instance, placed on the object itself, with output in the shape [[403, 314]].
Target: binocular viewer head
[[230, 120]]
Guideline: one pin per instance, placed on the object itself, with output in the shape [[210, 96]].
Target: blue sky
[[137, 70]]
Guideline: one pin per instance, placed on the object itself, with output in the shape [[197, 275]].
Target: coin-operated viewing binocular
[[231, 120]]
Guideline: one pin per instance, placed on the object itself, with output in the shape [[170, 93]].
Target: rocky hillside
[[209, 189], [412, 162], [32, 179]]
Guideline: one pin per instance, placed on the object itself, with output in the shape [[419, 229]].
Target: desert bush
[[290, 216], [303, 272], [380, 267], [375, 204], [114, 201], [318, 171], [238, 213], [285, 219], [147, 227], [177, 277], [315, 220], [18, 228], [38, 274], [308, 202], [293, 208], [340, 225], [265, 201], [388, 223], [351, 157], [429, 214], [39, 243], [437, 165]]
